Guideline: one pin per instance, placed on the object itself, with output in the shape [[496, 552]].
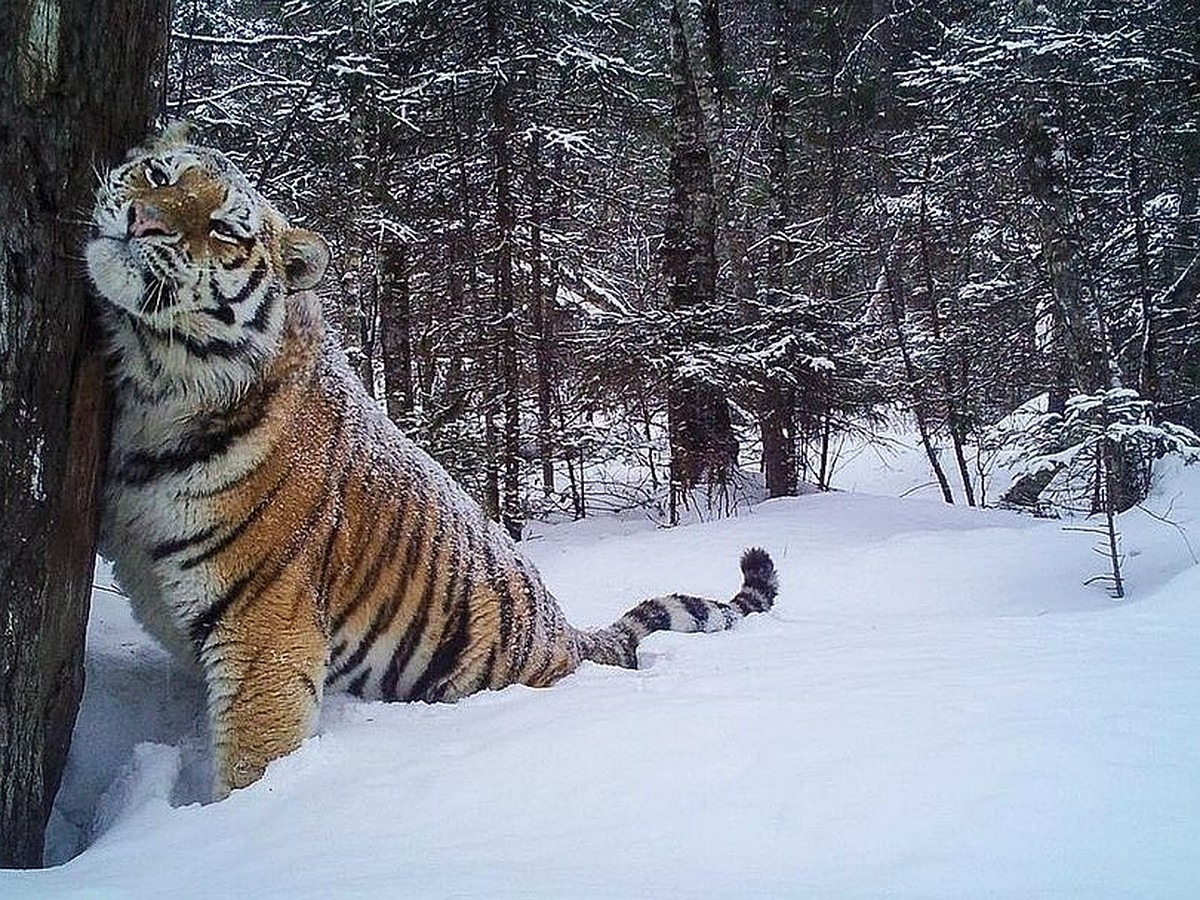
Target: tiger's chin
[[115, 274], [125, 283]]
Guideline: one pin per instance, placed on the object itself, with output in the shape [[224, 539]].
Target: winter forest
[[695, 240], [904, 292]]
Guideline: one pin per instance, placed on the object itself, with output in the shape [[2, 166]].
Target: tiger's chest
[[158, 513]]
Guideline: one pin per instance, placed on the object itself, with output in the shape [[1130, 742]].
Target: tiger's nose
[[144, 221]]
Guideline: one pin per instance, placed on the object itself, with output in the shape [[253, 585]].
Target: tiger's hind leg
[[265, 676]]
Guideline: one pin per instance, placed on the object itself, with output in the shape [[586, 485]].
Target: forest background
[[666, 255], [685, 237]]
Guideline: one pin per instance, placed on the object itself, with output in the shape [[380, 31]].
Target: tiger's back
[[269, 522]]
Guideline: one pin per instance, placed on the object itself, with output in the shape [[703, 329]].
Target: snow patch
[[144, 784], [937, 707]]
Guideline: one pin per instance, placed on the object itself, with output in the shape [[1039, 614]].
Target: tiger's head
[[187, 251]]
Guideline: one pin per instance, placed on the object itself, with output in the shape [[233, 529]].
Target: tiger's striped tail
[[617, 644]]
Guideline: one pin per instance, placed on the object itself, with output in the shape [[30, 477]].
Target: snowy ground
[[937, 707]]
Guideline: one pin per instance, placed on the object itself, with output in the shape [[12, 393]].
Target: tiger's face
[[183, 244]]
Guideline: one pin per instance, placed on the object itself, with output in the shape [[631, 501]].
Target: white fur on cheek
[[113, 273]]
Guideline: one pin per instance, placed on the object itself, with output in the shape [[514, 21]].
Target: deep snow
[[937, 707]]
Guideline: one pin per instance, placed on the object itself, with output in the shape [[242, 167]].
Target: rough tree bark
[[956, 418], [700, 430], [76, 89], [361, 274], [505, 407], [777, 402], [395, 329], [1062, 249], [539, 309]]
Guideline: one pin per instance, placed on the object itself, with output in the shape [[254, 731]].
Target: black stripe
[[218, 347], [199, 447], [239, 529], [259, 321], [356, 686], [309, 685], [257, 274], [223, 314], [238, 262], [261, 401], [652, 615], [200, 349], [401, 654], [164, 549], [325, 575], [697, 609], [201, 627], [414, 633], [139, 329], [249, 691], [334, 655], [391, 543], [125, 387], [324, 578], [489, 666], [525, 650], [386, 614], [499, 582], [544, 667], [142, 467], [445, 658]]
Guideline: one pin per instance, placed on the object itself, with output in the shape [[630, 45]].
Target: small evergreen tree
[[1097, 457]]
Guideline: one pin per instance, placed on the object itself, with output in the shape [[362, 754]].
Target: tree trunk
[[541, 319], [76, 90], [1179, 301], [701, 434], [913, 381], [778, 426], [395, 331], [1062, 253], [777, 402], [956, 420], [1148, 377], [505, 326], [362, 269]]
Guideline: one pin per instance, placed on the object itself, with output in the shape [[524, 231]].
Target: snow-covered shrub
[[1096, 457], [1101, 448]]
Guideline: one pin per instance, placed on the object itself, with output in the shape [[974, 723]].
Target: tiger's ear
[[177, 133], [305, 256]]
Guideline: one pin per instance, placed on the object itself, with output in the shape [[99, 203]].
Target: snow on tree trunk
[[76, 89], [395, 329], [700, 431], [540, 317], [1061, 249], [506, 388], [777, 403]]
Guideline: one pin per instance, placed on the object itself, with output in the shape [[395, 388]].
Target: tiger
[[272, 527]]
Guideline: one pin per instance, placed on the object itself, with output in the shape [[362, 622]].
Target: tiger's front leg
[[265, 675]]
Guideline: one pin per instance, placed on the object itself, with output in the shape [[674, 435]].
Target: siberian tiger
[[271, 526]]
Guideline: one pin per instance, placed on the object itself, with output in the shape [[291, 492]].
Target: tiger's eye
[[156, 176], [224, 232]]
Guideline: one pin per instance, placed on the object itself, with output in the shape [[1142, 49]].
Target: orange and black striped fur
[[270, 524]]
